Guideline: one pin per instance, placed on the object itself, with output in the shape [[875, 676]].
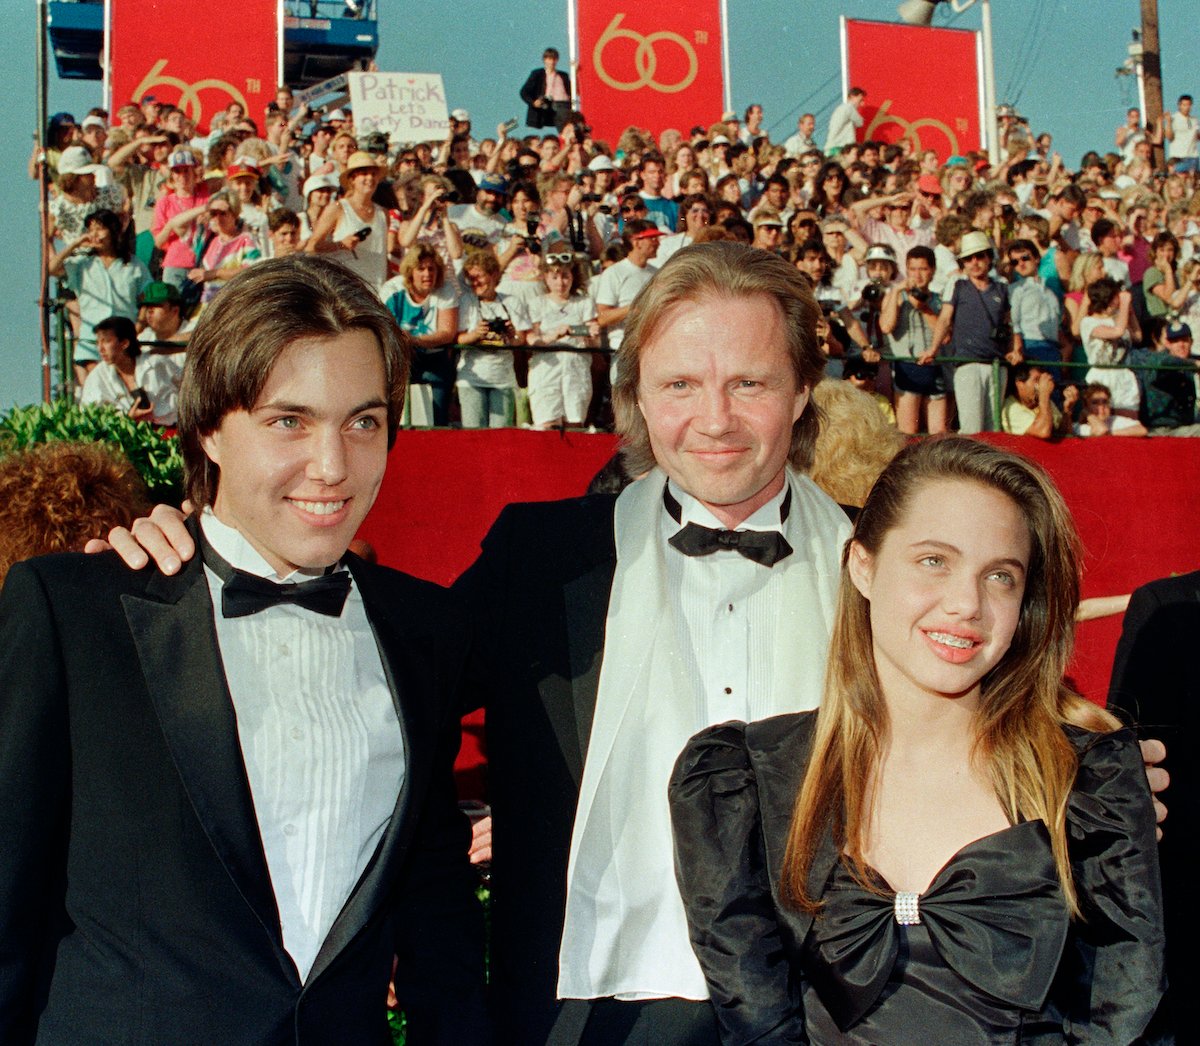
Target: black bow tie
[[767, 547], [243, 594]]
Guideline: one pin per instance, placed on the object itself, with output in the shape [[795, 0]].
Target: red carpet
[[1136, 503]]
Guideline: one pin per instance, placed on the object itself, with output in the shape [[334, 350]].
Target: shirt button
[[284, 650], [289, 829], [297, 733], [729, 690]]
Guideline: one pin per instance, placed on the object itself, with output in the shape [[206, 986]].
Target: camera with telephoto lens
[[872, 293]]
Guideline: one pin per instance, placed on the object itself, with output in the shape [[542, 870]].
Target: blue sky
[[1055, 59]]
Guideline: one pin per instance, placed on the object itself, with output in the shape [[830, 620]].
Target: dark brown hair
[[249, 325]]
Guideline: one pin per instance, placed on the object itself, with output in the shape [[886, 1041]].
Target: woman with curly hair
[[55, 496]]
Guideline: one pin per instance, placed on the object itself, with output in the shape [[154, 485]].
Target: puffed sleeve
[[1117, 967], [720, 864]]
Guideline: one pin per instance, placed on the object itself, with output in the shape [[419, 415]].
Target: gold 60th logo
[[189, 94], [645, 58], [910, 128]]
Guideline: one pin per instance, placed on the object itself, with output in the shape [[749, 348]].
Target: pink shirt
[[180, 250]]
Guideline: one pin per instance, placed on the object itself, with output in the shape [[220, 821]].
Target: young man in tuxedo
[[225, 795]]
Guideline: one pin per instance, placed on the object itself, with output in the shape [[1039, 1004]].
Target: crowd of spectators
[[958, 292]]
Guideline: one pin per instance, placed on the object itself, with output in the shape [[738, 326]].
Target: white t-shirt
[[617, 286], [548, 315], [467, 217], [1186, 130]]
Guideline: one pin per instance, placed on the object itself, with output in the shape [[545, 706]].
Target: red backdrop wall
[[1136, 503]]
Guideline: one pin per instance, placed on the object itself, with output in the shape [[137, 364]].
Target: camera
[[592, 197], [920, 294], [497, 326], [872, 293], [828, 306]]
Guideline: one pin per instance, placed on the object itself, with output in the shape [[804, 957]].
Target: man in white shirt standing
[[845, 121], [232, 806], [619, 284], [1182, 131], [802, 141]]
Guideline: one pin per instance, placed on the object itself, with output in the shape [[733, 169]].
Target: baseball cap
[[493, 183], [159, 293], [77, 159], [244, 167], [337, 114], [181, 158], [93, 121], [319, 181], [601, 163], [880, 252], [461, 115], [929, 183], [1178, 332]]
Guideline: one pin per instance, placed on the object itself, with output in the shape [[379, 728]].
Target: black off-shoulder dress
[[987, 954]]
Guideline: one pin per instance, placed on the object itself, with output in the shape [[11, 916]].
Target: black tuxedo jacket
[[535, 88], [538, 596], [1156, 686], [135, 901]]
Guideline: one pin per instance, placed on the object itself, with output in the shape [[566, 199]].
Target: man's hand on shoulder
[[161, 537]]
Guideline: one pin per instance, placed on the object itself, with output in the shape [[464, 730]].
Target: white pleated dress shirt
[[723, 600], [321, 741]]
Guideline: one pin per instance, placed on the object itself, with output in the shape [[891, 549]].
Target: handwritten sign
[[408, 107]]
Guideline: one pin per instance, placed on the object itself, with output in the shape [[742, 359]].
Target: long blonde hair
[[1024, 704]]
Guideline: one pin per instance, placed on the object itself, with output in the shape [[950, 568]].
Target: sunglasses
[[978, 254], [1016, 259], [215, 211], [632, 208], [560, 259], [931, 195]]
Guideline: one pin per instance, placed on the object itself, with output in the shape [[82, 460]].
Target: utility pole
[[1152, 72]]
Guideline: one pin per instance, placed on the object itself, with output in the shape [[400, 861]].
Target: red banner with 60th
[[921, 84], [200, 60], [651, 64]]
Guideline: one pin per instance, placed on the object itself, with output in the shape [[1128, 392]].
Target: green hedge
[[155, 455]]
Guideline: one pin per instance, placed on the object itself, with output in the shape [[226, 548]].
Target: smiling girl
[[955, 842], [560, 383]]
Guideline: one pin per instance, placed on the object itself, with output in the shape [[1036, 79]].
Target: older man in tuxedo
[[612, 629], [225, 795]]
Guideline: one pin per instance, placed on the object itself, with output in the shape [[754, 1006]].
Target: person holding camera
[[907, 317], [143, 385], [429, 222], [355, 231], [483, 213], [493, 322], [977, 326]]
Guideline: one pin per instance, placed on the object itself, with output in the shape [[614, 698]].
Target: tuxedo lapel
[[176, 641], [369, 893], [585, 601]]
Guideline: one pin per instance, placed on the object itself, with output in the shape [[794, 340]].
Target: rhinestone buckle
[[907, 909]]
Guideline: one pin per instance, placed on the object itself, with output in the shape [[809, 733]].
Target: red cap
[[929, 183]]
